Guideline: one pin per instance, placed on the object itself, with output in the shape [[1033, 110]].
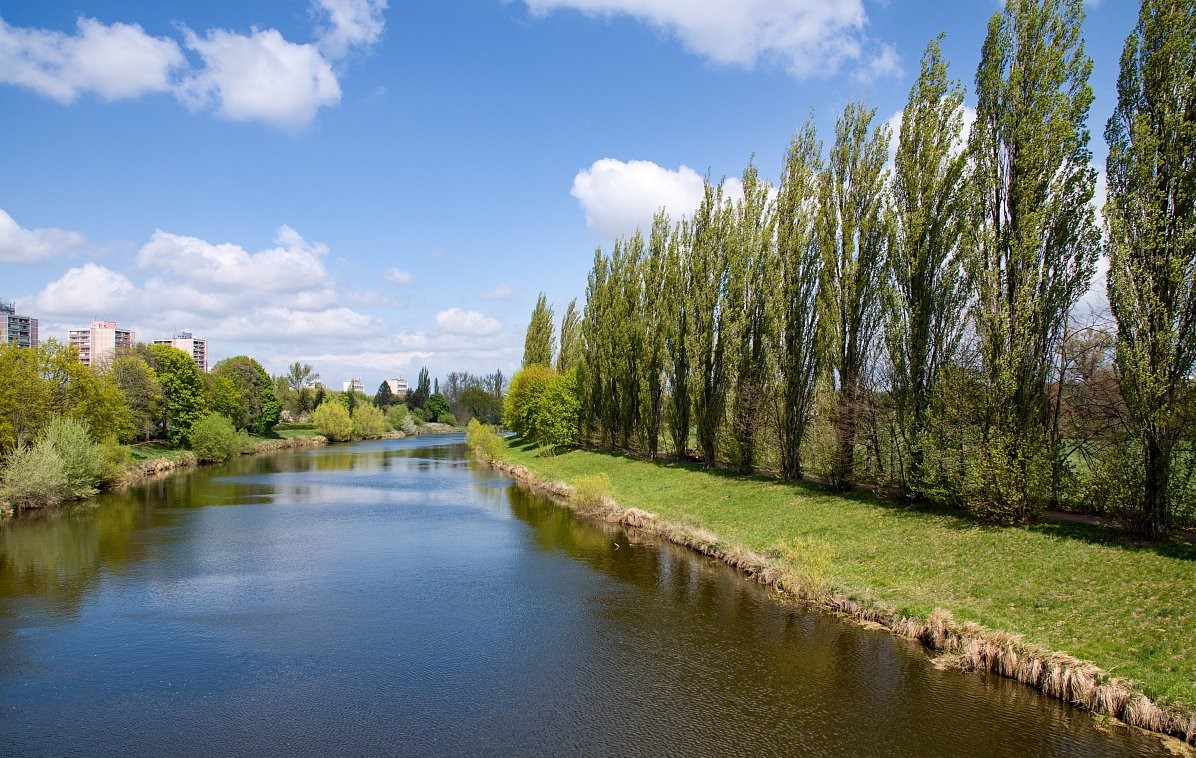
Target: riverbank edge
[[155, 467], [962, 647]]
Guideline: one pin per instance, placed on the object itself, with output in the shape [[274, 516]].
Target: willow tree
[[1151, 213], [1034, 240], [710, 336], [539, 344], [571, 340], [928, 292], [853, 236], [794, 296]]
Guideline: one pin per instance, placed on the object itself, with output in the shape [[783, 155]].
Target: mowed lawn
[[1088, 591]]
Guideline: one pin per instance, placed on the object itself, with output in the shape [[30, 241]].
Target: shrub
[[82, 459], [543, 407], [591, 489], [447, 418], [368, 421], [419, 415], [34, 476], [214, 438], [484, 440], [333, 421], [397, 416], [116, 459]]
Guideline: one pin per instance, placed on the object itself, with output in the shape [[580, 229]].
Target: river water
[[393, 598]]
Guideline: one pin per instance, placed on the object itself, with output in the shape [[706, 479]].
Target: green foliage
[[82, 459], [436, 406], [484, 440], [543, 407], [397, 416], [24, 396], [368, 421], [214, 438], [539, 344], [419, 415], [591, 490], [182, 390], [384, 397], [142, 392], [333, 421], [34, 476], [253, 402], [570, 354], [447, 418]]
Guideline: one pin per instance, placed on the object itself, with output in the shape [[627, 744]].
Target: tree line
[[913, 322]]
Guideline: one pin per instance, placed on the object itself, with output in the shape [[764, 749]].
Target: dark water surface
[[391, 598]]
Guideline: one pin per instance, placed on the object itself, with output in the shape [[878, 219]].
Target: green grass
[[146, 451], [1087, 591]]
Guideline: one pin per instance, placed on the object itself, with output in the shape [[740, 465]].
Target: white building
[[19, 329], [98, 344], [196, 348], [353, 384], [398, 387]]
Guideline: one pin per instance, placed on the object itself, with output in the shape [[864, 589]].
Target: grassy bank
[[1083, 590]]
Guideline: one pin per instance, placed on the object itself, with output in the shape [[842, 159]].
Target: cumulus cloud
[[86, 292], [260, 77], [618, 197], [20, 245], [398, 276], [471, 323], [351, 23], [114, 62], [807, 37]]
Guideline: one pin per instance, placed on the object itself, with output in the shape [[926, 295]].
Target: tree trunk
[[1154, 505]]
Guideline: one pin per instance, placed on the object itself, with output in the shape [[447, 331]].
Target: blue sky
[[372, 188]]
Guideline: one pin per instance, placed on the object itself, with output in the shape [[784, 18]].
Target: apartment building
[[398, 387], [353, 384], [187, 342], [14, 328], [98, 344]]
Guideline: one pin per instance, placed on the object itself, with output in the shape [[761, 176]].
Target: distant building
[[19, 329], [353, 384], [398, 387], [196, 348], [98, 344]]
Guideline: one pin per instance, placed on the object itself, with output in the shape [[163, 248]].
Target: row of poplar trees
[[905, 324]]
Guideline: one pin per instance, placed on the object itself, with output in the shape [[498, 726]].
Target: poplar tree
[[752, 249], [709, 265], [1034, 240], [678, 296], [794, 296], [539, 344], [1151, 213], [627, 325], [655, 323], [571, 340], [853, 237], [928, 292]]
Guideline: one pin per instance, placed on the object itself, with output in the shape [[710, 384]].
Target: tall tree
[[929, 291], [1034, 240], [653, 325], [571, 339], [182, 390], [677, 291], [385, 396], [1151, 213], [539, 344], [794, 306], [853, 237], [142, 391], [260, 409], [710, 336]]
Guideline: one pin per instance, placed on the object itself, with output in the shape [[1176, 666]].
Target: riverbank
[[1001, 600]]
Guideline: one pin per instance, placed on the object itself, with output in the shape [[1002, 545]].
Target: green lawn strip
[[1086, 591]]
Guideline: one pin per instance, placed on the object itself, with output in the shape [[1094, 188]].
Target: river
[[394, 598]]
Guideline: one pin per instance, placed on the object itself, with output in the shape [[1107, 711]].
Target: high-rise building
[[196, 348], [398, 387], [353, 384], [99, 343], [19, 329]]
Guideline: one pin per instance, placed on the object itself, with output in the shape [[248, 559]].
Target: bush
[[419, 415], [542, 406], [116, 459], [81, 458], [333, 421], [447, 418], [368, 421], [214, 438], [397, 416], [484, 440], [34, 476], [591, 490]]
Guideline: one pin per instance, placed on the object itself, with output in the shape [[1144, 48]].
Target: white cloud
[[114, 62], [293, 266], [260, 77], [86, 292], [501, 291], [471, 323], [282, 323], [20, 245], [807, 37], [618, 197], [351, 23], [398, 276]]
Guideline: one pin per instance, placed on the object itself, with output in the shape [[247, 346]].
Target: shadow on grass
[[949, 517]]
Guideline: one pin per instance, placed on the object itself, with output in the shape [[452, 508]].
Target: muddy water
[[391, 598]]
